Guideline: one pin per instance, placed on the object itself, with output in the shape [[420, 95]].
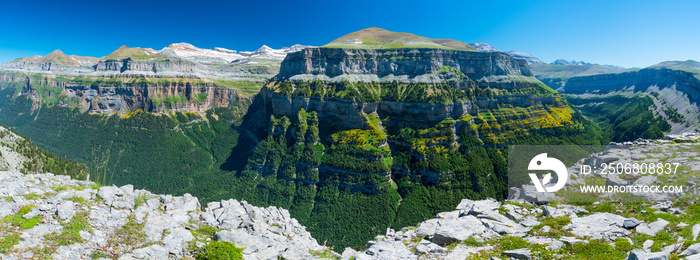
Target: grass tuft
[[140, 200], [71, 231]]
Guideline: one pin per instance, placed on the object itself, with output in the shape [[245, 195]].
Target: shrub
[[220, 250]]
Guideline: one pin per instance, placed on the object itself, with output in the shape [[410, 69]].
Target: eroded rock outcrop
[[69, 219], [125, 95], [474, 235], [684, 81]]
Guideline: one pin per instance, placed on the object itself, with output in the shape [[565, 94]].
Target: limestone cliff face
[[332, 97], [344, 114], [683, 81], [157, 68], [161, 67], [676, 93], [124, 97], [179, 60], [332, 61], [108, 68], [152, 98], [43, 68]]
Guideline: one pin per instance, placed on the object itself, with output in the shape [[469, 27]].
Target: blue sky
[[625, 33]]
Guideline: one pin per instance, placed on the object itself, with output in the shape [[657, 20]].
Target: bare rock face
[[659, 79], [599, 226], [641, 80], [98, 98], [42, 67], [331, 61], [495, 70], [161, 67], [671, 90], [151, 97], [162, 226]]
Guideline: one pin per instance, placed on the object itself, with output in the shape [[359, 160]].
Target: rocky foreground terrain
[[51, 216], [46, 215], [489, 229]]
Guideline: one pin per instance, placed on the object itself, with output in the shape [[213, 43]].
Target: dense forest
[[39, 160], [160, 153], [624, 118]]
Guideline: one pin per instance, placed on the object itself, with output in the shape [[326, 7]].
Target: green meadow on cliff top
[[377, 38], [136, 53]]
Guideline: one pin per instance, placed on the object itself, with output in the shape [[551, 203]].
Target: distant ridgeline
[[631, 103], [376, 129]]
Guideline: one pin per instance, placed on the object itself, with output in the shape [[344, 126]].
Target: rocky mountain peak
[[378, 38], [688, 64], [56, 56], [136, 52], [123, 47], [56, 53], [182, 46], [298, 47], [521, 55], [263, 49], [570, 62], [177, 60], [482, 46]]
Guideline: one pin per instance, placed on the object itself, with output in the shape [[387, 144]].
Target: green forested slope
[[623, 117], [21, 154], [161, 153]]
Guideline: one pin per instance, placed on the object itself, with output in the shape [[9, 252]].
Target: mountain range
[[375, 130], [192, 62]]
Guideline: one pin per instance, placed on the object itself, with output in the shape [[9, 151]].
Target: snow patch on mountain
[[190, 52], [482, 46], [521, 55], [222, 55]]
